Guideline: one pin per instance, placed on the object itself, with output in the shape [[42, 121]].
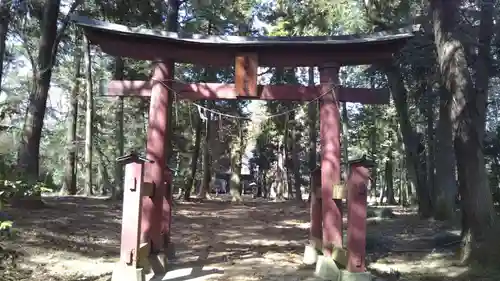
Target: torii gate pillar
[[156, 210], [331, 209]]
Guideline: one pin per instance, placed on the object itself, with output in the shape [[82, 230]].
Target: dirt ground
[[77, 238]]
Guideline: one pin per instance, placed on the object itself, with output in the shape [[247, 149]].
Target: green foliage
[[5, 226], [19, 188]]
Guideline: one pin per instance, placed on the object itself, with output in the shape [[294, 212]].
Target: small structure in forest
[[246, 54]]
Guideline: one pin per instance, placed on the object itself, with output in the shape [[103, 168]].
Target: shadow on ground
[[77, 238]]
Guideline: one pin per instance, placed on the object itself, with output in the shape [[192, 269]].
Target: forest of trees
[[436, 144]]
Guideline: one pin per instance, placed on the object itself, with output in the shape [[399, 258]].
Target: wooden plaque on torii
[[245, 77]]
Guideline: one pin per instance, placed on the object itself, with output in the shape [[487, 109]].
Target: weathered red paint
[[208, 91], [166, 221], [156, 210], [315, 230], [356, 231], [330, 158], [131, 213]]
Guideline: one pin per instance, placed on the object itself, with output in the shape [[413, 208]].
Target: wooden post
[[156, 210], [131, 213], [133, 253], [356, 231], [330, 158]]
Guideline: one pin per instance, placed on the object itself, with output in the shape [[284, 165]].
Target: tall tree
[[89, 119], [5, 15], [172, 26], [194, 159], [120, 141], [468, 123], [312, 113], [29, 148], [70, 167]]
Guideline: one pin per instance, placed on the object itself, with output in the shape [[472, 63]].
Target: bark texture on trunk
[[4, 28], [194, 160], [445, 185], [207, 166], [467, 116], [312, 114], [172, 26], [29, 148], [297, 179], [235, 184], [70, 169], [89, 121], [120, 141], [410, 139], [389, 181]]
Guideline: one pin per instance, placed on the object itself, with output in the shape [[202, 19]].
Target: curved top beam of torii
[[149, 44]]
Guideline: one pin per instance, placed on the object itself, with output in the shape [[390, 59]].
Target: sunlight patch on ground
[[262, 242], [270, 266], [295, 223], [71, 264], [433, 263], [205, 273]]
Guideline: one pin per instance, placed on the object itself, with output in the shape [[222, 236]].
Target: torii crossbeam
[[218, 91], [329, 53]]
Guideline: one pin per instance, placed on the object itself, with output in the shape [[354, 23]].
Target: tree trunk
[[430, 136], [410, 138], [4, 28], [235, 181], [287, 155], [389, 179], [120, 136], [89, 117], [279, 182], [403, 187], [104, 183], [312, 113], [241, 151], [446, 186], [467, 119], [373, 151], [29, 148], [295, 160], [483, 64], [207, 167], [70, 169], [260, 183], [172, 26], [265, 186], [194, 160]]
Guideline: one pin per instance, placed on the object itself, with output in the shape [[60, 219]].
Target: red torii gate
[[247, 54]]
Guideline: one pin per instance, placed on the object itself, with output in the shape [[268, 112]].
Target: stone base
[[310, 255], [123, 272], [356, 276], [326, 269]]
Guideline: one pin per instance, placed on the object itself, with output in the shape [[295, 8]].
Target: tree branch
[[65, 24]]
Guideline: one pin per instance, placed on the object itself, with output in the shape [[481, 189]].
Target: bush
[[5, 219], [19, 188], [6, 227]]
